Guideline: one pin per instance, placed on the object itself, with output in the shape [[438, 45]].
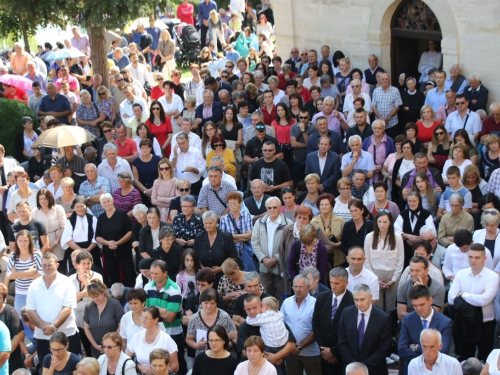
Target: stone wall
[[471, 32]]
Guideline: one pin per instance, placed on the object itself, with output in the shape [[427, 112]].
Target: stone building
[[397, 32]]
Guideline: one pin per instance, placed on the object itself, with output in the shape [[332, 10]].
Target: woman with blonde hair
[[429, 197], [68, 196], [101, 316], [88, 366], [491, 154], [426, 124], [472, 181], [215, 30], [106, 103], [165, 60], [460, 158], [343, 77], [309, 197], [114, 360], [205, 57], [164, 188]]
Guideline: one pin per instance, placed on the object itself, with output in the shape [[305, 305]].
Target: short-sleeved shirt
[[300, 154], [19, 93], [169, 298], [208, 197], [138, 346], [73, 83], [70, 367], [365, 161], [386, 101], [127, 149], [196, 323], [471, 123], [436, 289], [59, 104], [34, 227], [239, 306], [5, 346], [273, 174]]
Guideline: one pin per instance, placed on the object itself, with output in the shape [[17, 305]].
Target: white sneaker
[[389, 361]]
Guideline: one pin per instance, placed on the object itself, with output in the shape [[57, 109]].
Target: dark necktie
[[334, 308], [361, 331]]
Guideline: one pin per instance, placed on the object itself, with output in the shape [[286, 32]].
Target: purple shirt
[[333, 122], [412, 176], [207, 110], [82, 44]]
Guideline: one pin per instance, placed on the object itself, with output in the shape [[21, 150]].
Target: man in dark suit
[[327, 311], [365, 332], [256, 202], [326, 164], [476, 93], [212, 84], [423, 316], [210, 110]]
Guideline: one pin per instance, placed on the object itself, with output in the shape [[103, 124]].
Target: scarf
[[358, 194], [296, 230]]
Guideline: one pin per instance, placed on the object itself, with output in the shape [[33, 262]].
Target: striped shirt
[[169, 298], [22, 285]]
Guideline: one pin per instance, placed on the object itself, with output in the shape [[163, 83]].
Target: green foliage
[[11, 113]]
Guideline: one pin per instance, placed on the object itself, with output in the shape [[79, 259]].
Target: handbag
[[248, 258], [136, 368]]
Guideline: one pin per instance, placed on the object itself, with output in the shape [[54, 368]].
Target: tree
[[96, 15]]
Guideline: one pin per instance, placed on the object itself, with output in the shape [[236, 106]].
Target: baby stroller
[[189, 42]]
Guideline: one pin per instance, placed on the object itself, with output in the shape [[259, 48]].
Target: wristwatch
[[298, 346], [55, 328]]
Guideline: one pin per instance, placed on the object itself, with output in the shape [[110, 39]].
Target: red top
[[283, 132], [128, 149], [282, 80], [268, 117], [161, 133], [489, 125], [185, 13], [156, 93], [425, 134], [19, 93], [306, 94]]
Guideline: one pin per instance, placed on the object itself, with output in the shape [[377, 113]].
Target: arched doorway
[[413, 24]]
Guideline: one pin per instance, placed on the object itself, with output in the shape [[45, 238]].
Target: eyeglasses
[[224, 76], [184, 190], [439, 133], [63, 70], [159, 79], [164, 168], [144, 318], [303, 117], [122, 175], [215, 341], [354, 85], [459, 103], [57, 350], [155, 108], [102, 93], [108, 347], [118, 80], [264, 150], [490, 212], [229, 66], [218, 145]]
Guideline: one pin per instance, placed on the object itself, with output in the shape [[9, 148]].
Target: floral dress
[[187, 229], [106, 107], [89, 114], [306, 260]]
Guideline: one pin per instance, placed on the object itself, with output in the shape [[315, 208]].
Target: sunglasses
[[108, 347], [123, 175], [164, 169], [159, 79], [286, 190], [184, 190], [384, 211], [218, 145], [303, 117], [490, 212], [92, 286], [107, 131], [155, 108], [224, 76], [63, 70], [439, 133], [459, 103], [229, 66], [118, 80], [273, 208], [102, 93], [354, 85]]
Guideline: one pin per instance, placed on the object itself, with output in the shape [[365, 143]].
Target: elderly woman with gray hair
[[168, 250], [88, 114], [187, 223], [488, 236], [214, 246]]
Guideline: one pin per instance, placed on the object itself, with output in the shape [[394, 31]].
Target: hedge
[[11, 114]]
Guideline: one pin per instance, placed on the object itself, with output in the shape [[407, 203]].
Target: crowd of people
[[226, 222]]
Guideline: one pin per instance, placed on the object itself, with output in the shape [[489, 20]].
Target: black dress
[[414, 103], [172, 257], [120, 259], [204, 365], [351, 237]]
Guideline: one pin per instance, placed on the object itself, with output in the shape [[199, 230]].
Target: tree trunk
[[98, 49], [26, 39]]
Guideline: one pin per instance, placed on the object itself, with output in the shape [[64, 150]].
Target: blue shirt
[[233, 56], [299, 319], [155, 33], [4, 346], [122, 63], [59, 104], [448, 84], [204, 10], [37, 78], [365, 161], [435, 99], [89, 190]]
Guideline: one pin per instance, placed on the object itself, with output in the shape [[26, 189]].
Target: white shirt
[[128, 328], [105, 170], [364, 277], [140, 73], [194, 140], [80, 232], [428, 318], [126, 108], [479, 290], [366, 316], [339, 298], [191, 158], [277, 98], [271, 230], [138, 346], [349, 103], [389, 261], [455, 260], [225, 177], [156, 146], [398, 224], [445, 365], [322, 162], [48, 303], [454, 122], [176, 104], [57, 193]]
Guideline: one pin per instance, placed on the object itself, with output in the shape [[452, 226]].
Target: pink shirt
[[443, 112], [365, 87], [73, 83]]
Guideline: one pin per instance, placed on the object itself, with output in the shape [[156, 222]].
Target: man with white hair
[[218, 161], [92, 189], [19, 59], [80, 41], [120, 59], [491, 124], [357, 159], [356, 368], [266, 236], [336, 119], [113, 165], [476, 93], [432, 361], [385, 104], [456, 81], [35, 76]]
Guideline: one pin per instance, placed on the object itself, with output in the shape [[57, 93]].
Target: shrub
[[11, 114]]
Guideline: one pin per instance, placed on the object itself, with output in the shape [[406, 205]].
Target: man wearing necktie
[[365, 333], [326, 317], [424, 316]]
